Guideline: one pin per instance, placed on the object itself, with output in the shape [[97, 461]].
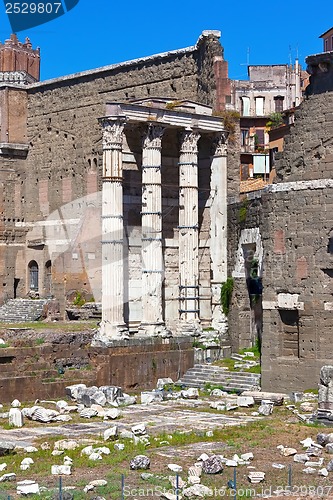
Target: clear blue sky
[[101, 32]]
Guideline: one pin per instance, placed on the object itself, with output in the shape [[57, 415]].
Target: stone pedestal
[[188, 234]]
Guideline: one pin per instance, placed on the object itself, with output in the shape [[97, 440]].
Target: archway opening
[[33, 276]]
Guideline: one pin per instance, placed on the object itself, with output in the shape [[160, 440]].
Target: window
[[245, 106], [244, 137], [326, 45], [260, 101], [260, 138], [278, 103]]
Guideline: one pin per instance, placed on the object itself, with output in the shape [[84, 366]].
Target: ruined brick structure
[[55, 154], [292, 221]]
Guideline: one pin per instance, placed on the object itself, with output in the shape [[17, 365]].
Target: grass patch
[[68, 326]]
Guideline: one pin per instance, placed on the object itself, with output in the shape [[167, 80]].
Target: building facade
[[269, 90]]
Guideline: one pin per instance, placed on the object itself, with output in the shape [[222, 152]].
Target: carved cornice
[[220, 143], [113, 133], [152, 139], [189, 141]]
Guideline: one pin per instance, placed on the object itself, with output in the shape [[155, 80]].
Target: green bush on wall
[[226, 293], [243, 210]]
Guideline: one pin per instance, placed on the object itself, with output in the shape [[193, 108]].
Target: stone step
[[200, 375], [22, 310], [219, 381], [188, 379], [223, 373]]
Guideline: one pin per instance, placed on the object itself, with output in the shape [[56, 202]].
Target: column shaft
[[218, 228], [152, 252], [112, 324], [188, 229]]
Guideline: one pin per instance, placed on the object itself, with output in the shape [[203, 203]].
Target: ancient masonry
[[287, 231], [112, 189], [136, 152]]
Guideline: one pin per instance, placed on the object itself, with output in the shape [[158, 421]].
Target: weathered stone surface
[[191, 393], [140, 462], [175, 467], [112, 414], [111, 433], [329, 448], [111, 393], [6, 447], [162, 382], [88, 413], [73, 390], [287, 452], [61, 470], [11, 476], [265, 408], [197, 490], [301, 458], [126, 400], [329, 466], [15, 417], [66, 444], [256, 477], [148, 397], [139, 429], [322, 438], [27, 487], [213, 465]]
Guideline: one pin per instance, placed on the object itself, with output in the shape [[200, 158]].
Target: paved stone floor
[[167, 417]]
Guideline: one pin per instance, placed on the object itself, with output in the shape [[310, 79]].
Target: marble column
[[218, 228], [188, 234], [112, 325], [152, 323]]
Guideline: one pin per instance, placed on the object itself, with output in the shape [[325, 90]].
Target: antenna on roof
[[247, 58]]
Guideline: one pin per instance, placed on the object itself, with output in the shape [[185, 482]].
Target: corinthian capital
[[112, 133], [153, 137], [189, 141], [220, 142]]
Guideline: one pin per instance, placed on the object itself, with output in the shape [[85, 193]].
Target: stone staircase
[[202, 374], [22, 310]]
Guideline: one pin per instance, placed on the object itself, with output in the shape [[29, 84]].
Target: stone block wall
[[296, 226], [28, 373]]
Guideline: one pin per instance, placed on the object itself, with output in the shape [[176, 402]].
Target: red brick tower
[[18, 56]]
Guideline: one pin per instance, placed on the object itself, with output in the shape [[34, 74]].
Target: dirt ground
[[260, 436], [177, 431]]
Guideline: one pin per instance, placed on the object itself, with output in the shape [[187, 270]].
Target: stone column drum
[[188, 234], [112, 324], [152, 254]]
